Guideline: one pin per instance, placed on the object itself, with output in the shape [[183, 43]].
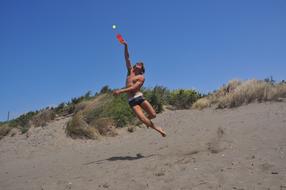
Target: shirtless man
[[135, 80]]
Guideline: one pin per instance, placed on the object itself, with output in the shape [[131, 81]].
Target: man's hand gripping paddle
[[120, 38]]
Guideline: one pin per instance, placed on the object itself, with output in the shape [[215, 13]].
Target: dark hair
[[142, 66]]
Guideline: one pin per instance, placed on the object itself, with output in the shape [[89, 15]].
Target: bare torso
[[131, 80]]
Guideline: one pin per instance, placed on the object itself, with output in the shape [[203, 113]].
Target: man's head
[[139, 68]]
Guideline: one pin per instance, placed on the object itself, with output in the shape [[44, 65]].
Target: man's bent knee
[[152, 116]]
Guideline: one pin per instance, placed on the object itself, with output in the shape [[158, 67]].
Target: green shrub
[[70, 109], [88, 95], [98, 116], [183, 99], [24, 129], [156, 102], [116, 108], [24, 119], [105, 89], [158, 96], [67, 109], [60, 108], [77, 100], [23, 122], [120, 111]]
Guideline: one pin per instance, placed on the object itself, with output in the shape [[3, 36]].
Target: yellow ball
[[114, 26]]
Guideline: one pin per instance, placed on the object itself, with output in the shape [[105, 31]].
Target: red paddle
[[120, 38]]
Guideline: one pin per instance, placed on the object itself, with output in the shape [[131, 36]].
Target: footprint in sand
[[215, 145]]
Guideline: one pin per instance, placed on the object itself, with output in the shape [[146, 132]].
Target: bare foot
[[163, 134]]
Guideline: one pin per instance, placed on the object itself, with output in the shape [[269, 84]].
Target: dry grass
[[95, 103], [42, 118], [201, 103], [78, 128], [4, 130], [237, 93], [105, 126], [80, 106], [90, 119], [278, 92]]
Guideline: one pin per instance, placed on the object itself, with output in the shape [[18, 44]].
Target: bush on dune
[[178, 99], [277, 92], [105, 126], [120, 111], [253, 90], [4, 130], [183, 99], [158, 96], [23, 122], [42, 118], [201, 103], [46, 115], [103, 114], [105, 90], [237, 93], [78, 128], [116, 108]]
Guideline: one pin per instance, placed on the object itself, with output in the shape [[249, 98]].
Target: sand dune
[[241, 148]]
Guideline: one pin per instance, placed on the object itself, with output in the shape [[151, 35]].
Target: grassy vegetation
[[108, 106], [158, 96], [78, 128], [183, 99], [105, 126], [237, 93], [102, 113], [178, 99], [4, 130], [107, 112], [41, 117]]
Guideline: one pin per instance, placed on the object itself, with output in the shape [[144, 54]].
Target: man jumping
[[135, 80]]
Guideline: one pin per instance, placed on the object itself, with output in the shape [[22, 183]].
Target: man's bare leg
[[149, 109], [139, 113]]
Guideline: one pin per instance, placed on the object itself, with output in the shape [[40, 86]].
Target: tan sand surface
[[242, 148]]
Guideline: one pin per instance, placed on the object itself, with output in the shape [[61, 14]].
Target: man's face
[[137, 68]]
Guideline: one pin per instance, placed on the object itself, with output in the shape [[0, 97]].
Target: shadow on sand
[[117, 158]]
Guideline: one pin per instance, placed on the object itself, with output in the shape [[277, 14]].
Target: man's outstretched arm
[[127, 59]]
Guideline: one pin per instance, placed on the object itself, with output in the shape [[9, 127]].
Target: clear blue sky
[[53, 50]]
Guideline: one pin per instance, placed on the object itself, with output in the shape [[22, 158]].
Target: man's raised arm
[[126, 54]]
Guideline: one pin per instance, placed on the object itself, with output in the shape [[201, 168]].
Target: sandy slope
[[242, 148]]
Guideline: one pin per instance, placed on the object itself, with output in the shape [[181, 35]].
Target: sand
[[242, 148]]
